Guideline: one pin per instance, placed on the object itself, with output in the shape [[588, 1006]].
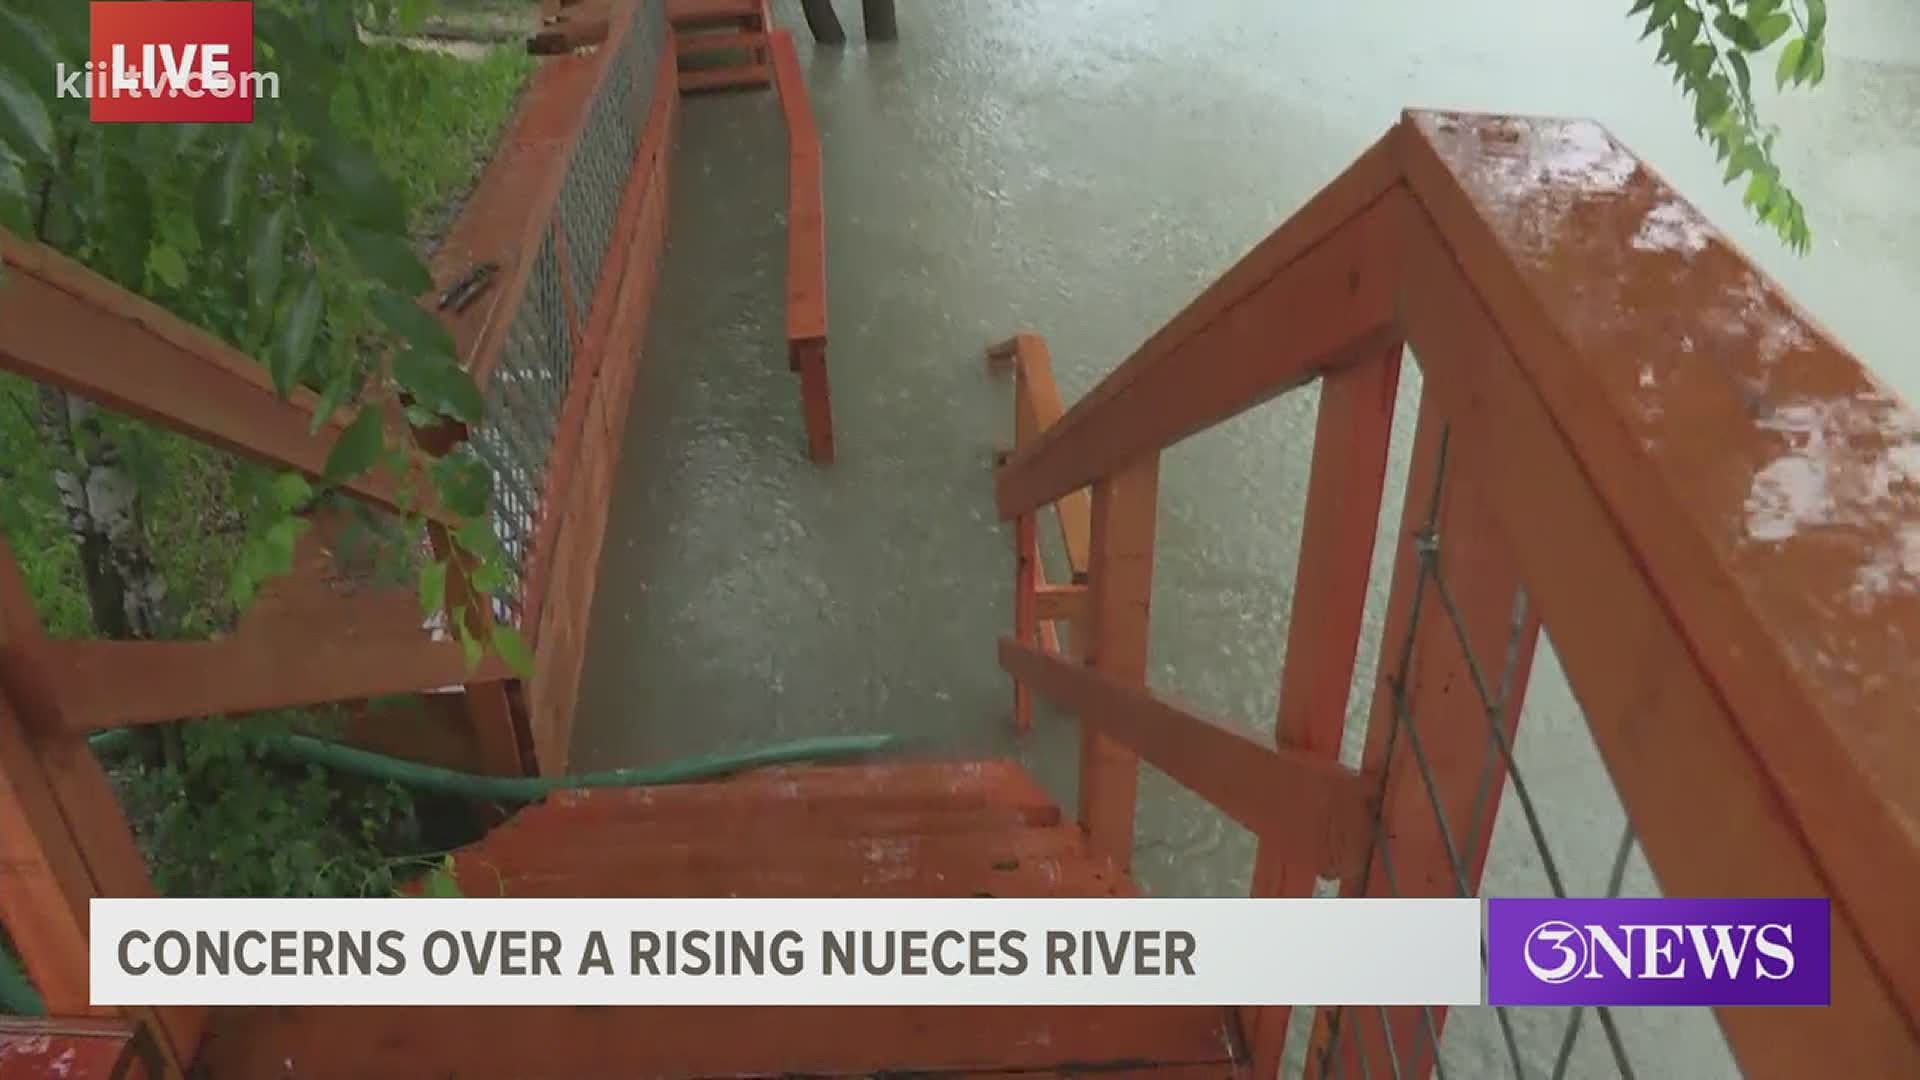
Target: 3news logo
[[1658, 952]]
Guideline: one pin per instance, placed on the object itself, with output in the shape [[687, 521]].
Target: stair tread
[[694, 12], [725, 78], [696, 43], [1190, 1042], [751, 824], [891, 786], [777, 862]]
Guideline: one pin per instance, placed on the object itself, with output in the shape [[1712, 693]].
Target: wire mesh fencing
[[529, 385], [1490, 785]]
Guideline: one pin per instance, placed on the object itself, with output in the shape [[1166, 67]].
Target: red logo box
[[171, 63]]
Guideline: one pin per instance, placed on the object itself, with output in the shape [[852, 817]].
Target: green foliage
[[229, 819], [229, 228], [1713, 47], [289, 237]]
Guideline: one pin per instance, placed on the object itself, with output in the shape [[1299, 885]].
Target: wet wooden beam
[[76, 1049], [1350, 446], [110, 684], [1800, 612], [77, 843], [1120, 582], [562, 1041], [63, 325], [1327, 277], [1699, 790], [806, 248], [1313, 809]]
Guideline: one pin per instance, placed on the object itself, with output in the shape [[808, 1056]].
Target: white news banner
[[503, 951]]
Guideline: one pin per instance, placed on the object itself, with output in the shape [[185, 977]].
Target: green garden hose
[[17, 995], [306, 748]]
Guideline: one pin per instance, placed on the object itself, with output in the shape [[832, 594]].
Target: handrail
[[806, 249], [1705, 499], [66, 326]]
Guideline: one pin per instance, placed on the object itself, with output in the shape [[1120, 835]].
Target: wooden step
[[693, 13], [935, 786], [609, 862], [566, 1042], [695, 44], [747, 828], [726, 78]]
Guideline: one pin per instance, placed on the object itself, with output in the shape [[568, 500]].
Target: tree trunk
[[877, 17], [823, 22], [124, 588]]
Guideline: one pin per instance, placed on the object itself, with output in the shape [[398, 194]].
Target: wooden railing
[[63, 837], [806, 250], [1646, 448]]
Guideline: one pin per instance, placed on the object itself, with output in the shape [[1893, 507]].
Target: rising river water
[[1082, 170]]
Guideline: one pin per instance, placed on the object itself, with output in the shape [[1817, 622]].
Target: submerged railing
[[1626, 436]]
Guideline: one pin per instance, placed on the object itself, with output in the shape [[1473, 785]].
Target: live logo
[[181, 62]]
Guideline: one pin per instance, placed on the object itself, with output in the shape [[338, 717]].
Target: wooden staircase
[[905, 829], [704, 28]]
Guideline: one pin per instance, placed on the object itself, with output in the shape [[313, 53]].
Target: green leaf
[[441, 885], [167, 266], [1768, 30], [1816, 18], [267, 262], [1742, 77], [433, 587], [415, 324], [388, 258], [24, 123], [294, 350], [439, 384], [465, 484], [351, 181], [16, 214], [507, 642], [218, 199], [339, 384], [1789, 66], [1736, 30], [470, 647], [1814, 64], [358, 448], [279, 542], [27, 50], [290, 491]]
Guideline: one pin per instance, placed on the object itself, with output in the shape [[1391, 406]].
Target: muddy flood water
[[1082, 171]]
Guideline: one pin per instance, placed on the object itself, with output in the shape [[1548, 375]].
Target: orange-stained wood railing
[[806, 250], [1646, 448], [63, 837]]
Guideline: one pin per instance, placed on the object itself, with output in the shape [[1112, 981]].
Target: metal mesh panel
[[597, 173], [1530, 843], [529, 385]]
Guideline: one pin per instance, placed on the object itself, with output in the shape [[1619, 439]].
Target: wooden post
[[489, 710], [1120, 583], [810, 360], [63, 839], [1329, 600], [1447, 718], [1026, 621]]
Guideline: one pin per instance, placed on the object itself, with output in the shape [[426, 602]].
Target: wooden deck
[[907, 829]]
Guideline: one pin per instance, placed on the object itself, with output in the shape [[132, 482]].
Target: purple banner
[[1658, 952]]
